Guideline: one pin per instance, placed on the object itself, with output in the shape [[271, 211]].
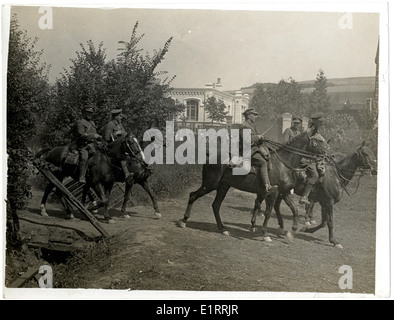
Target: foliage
[[319, 100], [216, 109], [342, 130], [129, 82], [27, 93], [273, 100]]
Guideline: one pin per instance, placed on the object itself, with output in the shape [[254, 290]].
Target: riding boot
[[128, 176], [305, 194], [263, 175], [83, 166]]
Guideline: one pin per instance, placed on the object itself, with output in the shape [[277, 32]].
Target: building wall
[[194, 99]]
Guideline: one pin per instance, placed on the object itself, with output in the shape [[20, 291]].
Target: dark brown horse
[[106, 170], [103, 171], [330, 190], [219, 177]]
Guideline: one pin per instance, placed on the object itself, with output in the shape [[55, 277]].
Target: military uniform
[[314, 167], [260, 154], [85, 134], [293, 131], [114, 130]]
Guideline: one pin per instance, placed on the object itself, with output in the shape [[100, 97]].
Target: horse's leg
[[309, 213], [66, 205], [323, 223], [220, 195], [147, 188], [107, 190], [127, 194], [256, 210], [270, 200], [44, 199], [277, 211], [330, 223], [202, 191]]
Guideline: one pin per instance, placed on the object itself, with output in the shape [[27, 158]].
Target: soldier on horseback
[[84, 136], [259, 151], [294, 130], [114, 130], [314, 167]]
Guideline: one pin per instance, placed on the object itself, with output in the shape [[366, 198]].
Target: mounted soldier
[[84, 136], [113, 131], [314, 167], [294, 130], [260, 154]]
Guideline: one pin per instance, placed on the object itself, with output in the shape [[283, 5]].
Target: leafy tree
[[130, 82], [216, 109], [273, 100], [83, 84], [27, 92], [319, 100]]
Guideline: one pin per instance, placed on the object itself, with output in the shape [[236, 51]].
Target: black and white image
[[196, 150]]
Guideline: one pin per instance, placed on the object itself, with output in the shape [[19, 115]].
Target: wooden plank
[[29, 274], [70, 197]]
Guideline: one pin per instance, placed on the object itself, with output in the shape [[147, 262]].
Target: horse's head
[[366, 158], [132, 147]]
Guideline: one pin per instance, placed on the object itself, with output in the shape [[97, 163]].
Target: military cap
[[317, 116], [116, 111], [249, 111], [89, 108], [295, 118]]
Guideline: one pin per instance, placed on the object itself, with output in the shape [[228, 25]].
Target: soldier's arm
[[81, 129], [109, 128]]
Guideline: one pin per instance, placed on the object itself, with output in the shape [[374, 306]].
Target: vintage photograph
[[193, 150]]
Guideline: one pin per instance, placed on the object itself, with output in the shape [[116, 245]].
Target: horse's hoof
[[338, 245], [44, 214], [307, 223], [110, 221], [225, 233], [70, 216], [303, 229], [125, 216], [267, 239], [253, 229], [313, 222], [158, 215], [289, 236], [181, 224]]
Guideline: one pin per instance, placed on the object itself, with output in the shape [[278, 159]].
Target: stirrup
[[304, 200]]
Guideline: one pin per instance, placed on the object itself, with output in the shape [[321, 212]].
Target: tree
[[27, 93], [319, 100], [216, 109], [273, 100]]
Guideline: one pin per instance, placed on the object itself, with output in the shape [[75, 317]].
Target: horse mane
[[291, 141]]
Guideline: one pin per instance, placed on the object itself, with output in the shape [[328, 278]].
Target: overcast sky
[[241, 47]]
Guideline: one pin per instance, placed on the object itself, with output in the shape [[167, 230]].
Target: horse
[[219, 177], [329, 189], [106, 170]]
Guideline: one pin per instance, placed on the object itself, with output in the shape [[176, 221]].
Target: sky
[[241, 46]]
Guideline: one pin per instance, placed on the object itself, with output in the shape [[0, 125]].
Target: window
[[192, 109]]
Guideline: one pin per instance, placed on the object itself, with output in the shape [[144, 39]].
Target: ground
[[145, 253]]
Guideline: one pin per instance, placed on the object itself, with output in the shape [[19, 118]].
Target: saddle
[[72, 157]]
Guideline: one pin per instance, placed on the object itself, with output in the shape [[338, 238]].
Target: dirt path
[[154, 254]]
